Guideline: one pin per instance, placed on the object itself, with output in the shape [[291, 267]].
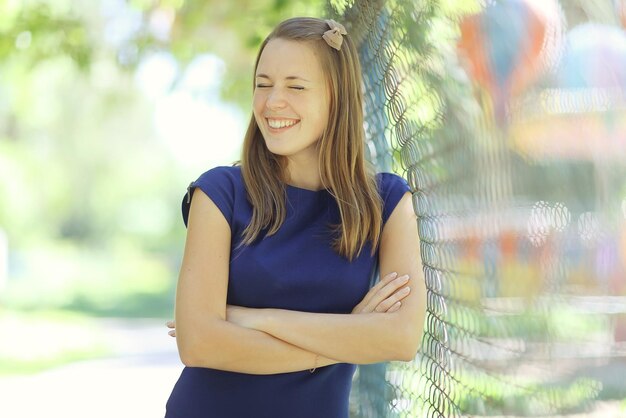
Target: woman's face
[[291, 102]]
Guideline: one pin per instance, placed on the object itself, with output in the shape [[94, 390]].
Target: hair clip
[[333, 37]]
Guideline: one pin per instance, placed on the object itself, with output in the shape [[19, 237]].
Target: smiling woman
[[274, 307], [292, 110]]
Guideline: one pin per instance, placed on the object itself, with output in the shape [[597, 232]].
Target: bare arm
[[383, 297], [363, 338], [359, 339], [246, 350], [400, 251], [204, 337]]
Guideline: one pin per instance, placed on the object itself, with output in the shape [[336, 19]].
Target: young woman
[[273, 305]]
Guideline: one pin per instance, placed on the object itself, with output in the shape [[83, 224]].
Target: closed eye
[[260, 86], [297, 87]]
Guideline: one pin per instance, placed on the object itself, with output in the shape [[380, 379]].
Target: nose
[[275, 100]]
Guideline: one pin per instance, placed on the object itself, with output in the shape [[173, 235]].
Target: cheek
[[314, 109], [322, 114], [257, 107], [258, 99]]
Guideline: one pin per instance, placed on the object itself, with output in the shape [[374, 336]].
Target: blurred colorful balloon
[[502, 46]]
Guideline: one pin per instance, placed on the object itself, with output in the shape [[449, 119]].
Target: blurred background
[[108, 109], [507, 118]]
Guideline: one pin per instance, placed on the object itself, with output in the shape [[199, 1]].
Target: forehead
[[283, 58]]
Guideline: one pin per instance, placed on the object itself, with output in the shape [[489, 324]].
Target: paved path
[[135, 383]]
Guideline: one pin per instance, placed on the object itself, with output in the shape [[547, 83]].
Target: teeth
[[277, 124]]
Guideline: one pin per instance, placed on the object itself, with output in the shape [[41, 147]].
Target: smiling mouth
[[281, 124]]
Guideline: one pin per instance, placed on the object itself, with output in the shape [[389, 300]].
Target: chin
[[276, 150]]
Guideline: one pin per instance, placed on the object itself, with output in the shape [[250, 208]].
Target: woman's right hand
[[385, 296]]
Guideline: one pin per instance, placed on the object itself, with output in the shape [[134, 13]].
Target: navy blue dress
[[294, 269]]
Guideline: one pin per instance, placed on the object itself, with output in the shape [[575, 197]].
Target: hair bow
[[333, 37]]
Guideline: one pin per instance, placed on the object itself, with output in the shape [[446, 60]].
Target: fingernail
[[394, 274], [406, 289], [404, 278]]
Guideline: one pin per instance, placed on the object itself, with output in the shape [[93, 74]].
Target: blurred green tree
[[84, 177]]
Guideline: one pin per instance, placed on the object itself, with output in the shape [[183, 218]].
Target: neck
[[304, 174]]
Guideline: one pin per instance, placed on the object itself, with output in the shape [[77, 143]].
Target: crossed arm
[[210, 334]]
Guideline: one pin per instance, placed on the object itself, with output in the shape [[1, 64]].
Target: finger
[[389, 289], [172, 333], [170, 324], [395, 307], [391, 300], [382, 283], [388, 303], [385, 280]]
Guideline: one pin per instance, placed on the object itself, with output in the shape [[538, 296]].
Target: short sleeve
[[392, 188], [219, 185]]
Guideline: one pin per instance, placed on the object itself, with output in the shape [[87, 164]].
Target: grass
[[35, 341]]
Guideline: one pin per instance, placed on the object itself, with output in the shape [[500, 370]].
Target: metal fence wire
[[522, 245]]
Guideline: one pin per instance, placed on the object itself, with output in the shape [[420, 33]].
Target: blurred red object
[[620, 11]]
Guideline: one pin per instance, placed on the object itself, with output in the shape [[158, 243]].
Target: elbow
[[190, 359], [194, 350], [408, 353], [408, 345], [188, 355], [198, 357]]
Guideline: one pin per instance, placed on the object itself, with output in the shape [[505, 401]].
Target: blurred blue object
[[595, 57]]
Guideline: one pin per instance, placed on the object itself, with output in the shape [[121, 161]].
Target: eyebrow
[[291, 77]]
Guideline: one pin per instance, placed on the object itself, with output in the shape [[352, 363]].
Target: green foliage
[[35, 32], [90, 200], [529, 400], [117, 281]]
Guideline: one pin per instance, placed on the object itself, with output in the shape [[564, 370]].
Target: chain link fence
[[521, 212]]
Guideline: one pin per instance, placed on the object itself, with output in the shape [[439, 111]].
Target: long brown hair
[[341, 150]]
